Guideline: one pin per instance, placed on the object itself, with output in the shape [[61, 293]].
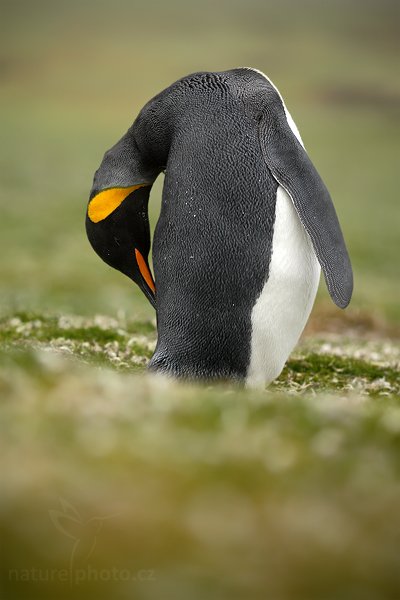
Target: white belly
[[284, 305]]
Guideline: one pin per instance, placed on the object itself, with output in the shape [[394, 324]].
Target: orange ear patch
[[145, 271], [105, 202]]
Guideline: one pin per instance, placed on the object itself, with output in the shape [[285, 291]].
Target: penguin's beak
[[145, 271], [150, 289], [118, 229]]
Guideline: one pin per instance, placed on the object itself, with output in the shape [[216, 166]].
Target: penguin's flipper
[[293, 170]]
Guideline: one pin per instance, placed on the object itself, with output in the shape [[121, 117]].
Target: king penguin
[[246, 224]]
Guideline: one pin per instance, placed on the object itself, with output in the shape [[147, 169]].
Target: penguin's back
[[213, 240]]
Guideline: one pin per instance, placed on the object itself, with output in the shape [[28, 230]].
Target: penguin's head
[[117, 223]]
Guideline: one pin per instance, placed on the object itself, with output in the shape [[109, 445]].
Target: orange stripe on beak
[[145, 271]]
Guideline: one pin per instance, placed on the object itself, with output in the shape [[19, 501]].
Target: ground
[[202, 491]]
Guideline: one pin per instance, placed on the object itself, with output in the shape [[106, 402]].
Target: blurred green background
[[75, 74]]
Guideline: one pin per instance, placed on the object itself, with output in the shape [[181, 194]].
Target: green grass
[[209, 491], [123, 345], [332, 372], [101, 341]]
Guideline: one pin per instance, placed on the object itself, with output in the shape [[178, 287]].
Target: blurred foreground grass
[[125, 485]]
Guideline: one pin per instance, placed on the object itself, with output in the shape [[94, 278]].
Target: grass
[[207, 491], [116, 484], [318, 365], [100, 341]]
